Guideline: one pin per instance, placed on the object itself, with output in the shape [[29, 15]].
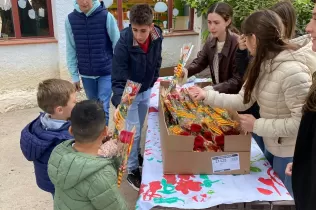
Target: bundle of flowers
[[124, 135], [185, 117], [184, 57]]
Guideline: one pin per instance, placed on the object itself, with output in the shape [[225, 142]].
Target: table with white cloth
[[201, 191]]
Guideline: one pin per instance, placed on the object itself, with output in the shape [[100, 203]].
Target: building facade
[[34, 50]]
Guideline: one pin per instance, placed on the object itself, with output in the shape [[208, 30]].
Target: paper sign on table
[[228, 162]]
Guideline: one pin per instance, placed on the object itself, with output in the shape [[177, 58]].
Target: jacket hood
[[35, 139], [95, 5], [304, 55], [67, 167], [305, 42], [49, 123]]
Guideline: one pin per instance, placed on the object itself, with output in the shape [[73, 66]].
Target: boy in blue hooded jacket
[[137, 57], [91, 35], [56, 98]]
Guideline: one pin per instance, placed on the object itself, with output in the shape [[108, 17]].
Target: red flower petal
[[126, 136], [152, 109], [264, 191], [171, 179], [208, 135], [195, 128], [219, 140], [185, 133], [186, 186]]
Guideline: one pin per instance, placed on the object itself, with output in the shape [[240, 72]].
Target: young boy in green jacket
[[83, 180]]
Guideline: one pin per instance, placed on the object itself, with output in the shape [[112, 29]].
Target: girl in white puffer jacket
[[278, 79]]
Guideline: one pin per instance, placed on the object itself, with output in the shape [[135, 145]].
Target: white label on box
[[223, 163]]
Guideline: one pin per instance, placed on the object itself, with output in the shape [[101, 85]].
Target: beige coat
[[281, 90]]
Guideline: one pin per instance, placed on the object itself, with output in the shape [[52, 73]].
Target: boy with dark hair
[[56, 98], [137, 57], [83, 179]]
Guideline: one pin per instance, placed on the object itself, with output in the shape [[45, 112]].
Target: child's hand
[[115, 115], [288, 170], [77, 86], [123, 168], [108, 137], [247, 122], [242, 42], [197, 93], [175, 72]]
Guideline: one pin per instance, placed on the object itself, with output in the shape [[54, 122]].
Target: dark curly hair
[[141, 14]]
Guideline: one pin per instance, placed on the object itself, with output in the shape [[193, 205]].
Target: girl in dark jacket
[[304, 161], [219, 51]]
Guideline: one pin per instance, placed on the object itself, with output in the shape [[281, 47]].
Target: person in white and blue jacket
[[91, 36]]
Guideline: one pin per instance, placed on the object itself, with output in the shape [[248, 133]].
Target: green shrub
[[303, 10], [243, 8]]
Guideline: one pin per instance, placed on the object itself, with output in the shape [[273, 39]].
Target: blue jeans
[[259, 141], [136, 117], [99, 89], [279, 165]]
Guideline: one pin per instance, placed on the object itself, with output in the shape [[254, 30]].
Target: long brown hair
[[226, 12], [267, 26], [287, 13], [310, 105]]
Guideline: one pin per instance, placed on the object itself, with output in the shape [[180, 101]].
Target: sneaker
[[140, 160], [134, 178]]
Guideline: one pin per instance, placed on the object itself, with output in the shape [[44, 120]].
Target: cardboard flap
[[200, 162], [241, 143]]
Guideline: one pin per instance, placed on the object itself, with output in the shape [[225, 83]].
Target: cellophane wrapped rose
[[122, 132]]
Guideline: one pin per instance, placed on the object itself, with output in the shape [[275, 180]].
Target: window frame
[[170, 15], [17, 26]]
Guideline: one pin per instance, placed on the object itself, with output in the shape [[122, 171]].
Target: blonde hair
[[52, 93]]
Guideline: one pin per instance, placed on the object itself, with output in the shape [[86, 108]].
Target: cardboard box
[[179, 157]]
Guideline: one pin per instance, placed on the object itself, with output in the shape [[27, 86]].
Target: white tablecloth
[[201, 191]]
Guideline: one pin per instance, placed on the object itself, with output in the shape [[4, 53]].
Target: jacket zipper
[[88, 43]]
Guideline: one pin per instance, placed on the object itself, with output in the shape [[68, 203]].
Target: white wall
[[199, 26], [171, 45], [61, 9], [21, 67], [171, 49]]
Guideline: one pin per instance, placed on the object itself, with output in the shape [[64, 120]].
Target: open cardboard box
[[179, 157]]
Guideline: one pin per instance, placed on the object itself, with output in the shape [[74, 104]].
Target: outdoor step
[[235, 206], [277, 205], [258, 206], [283, 205]]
